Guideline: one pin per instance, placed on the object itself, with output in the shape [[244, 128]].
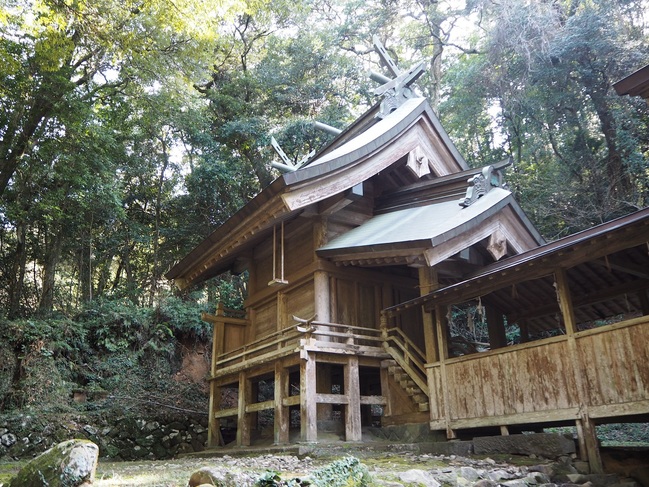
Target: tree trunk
[[17, 278], [50, 263]]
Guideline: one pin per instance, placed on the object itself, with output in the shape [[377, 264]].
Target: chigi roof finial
[[396, 90]]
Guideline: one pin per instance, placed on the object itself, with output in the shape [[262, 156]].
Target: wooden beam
[[378, 400], [569, 414], [291, 401], [255, 407], [322, 398], [588, 299], [226, 413], [223, 320], [627, 267]]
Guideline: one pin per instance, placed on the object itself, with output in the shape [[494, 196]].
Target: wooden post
[[308, 405], [322, 303], [281, 424], [586, 432], [644, 301], [243, 418], [353, 407], [282, 318], [525, 330], [428, 282], [324, 384], [496, 328], [322, 297], [385, 391], [565, 301], [214, 424], [442, 341], [588, 441]]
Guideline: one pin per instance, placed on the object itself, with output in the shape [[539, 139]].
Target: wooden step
[[408, 384], [419, 398]]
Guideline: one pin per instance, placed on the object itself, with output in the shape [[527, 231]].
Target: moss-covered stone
[[68, 464]]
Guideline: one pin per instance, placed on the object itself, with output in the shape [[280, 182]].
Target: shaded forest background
[[130, 129]]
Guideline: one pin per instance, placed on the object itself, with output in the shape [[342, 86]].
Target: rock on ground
[[68, 464]]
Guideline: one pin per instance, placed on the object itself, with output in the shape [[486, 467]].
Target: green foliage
[[183, 318], [113, 347], [345, 472], [273, 479]]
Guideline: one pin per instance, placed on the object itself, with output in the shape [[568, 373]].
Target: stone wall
[[124, 438]]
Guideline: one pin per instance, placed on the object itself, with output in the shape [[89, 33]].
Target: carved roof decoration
[[481, 184]]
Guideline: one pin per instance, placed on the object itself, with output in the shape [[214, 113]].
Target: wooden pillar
[[282, 318], [282, 419], [442, 341], [243, 418], [588, 447], [565, 301], [308, 405], [353, 406], [525, 330], [496, 328], [586, 432], [428, 282], [322, 296], [644, 301], [385, 391], [213, 427], [214, 424], [324, 384]]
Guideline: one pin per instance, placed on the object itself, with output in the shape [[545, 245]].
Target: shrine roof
[[636, 84], [426, 228], [367, 147]]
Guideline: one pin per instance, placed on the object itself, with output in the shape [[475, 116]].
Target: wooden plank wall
[[300, 302], [537, 380], [615, 364]]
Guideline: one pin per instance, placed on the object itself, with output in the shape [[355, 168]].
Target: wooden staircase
[[401, 377]]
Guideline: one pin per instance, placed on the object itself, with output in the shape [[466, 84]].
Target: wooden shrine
[[354, 260]]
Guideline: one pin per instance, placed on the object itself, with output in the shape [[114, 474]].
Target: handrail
[[420, 355], [412, 363], [304, 329]]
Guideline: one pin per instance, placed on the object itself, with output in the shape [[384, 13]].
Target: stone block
[[548, 445], [459, 448]]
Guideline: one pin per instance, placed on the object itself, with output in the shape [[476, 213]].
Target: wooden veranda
[[581, 310]]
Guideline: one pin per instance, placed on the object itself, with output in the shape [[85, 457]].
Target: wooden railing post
[[384, 325]]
